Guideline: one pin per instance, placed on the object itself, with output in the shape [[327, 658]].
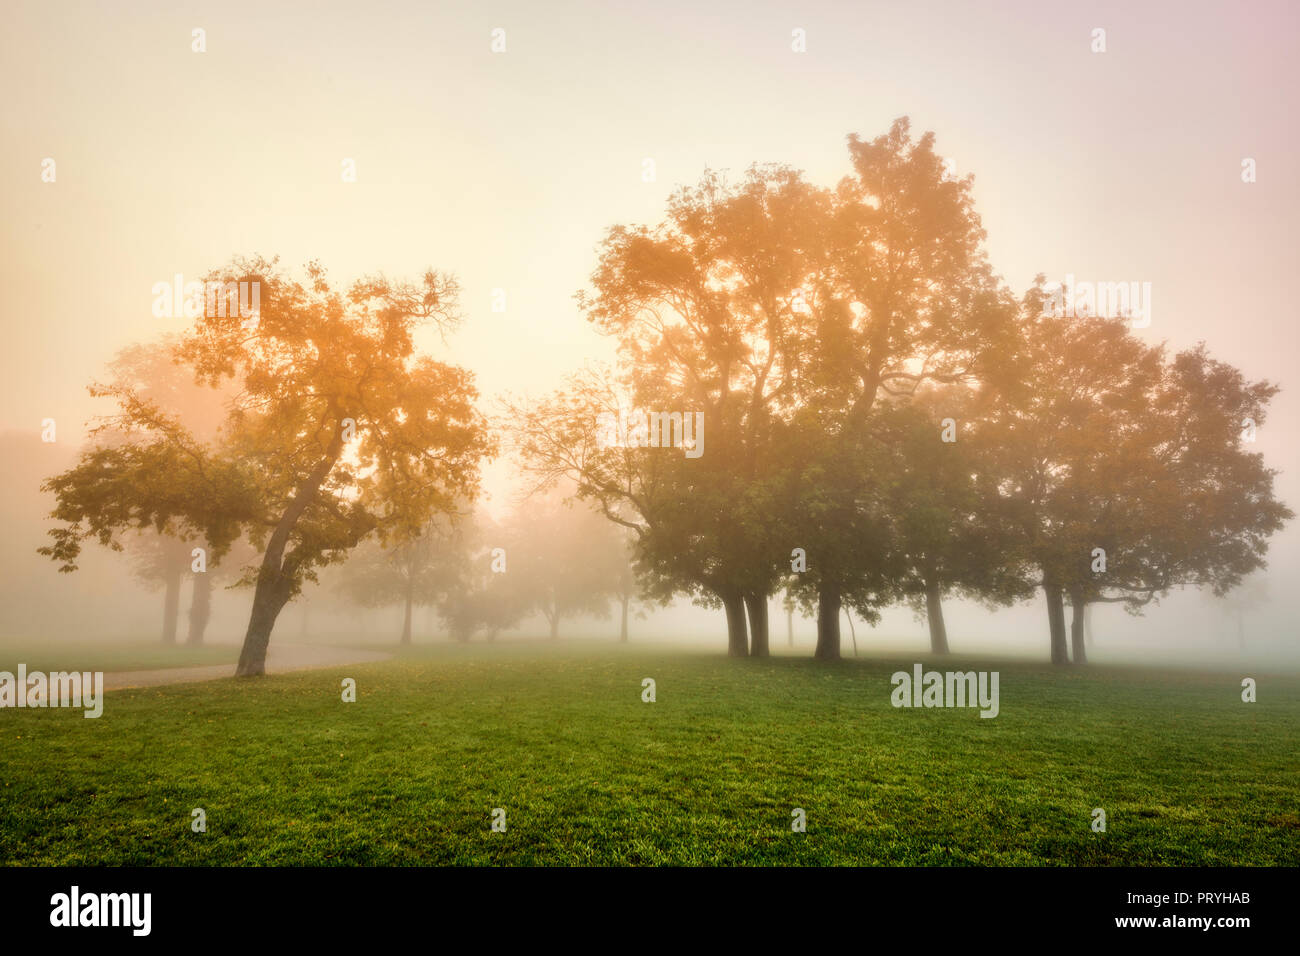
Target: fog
[[512, 192], [105, 603]]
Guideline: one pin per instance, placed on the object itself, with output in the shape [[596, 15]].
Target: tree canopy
[[340, 430]]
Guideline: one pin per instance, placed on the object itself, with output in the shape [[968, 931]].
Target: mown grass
[[708, 774], [133, 656]]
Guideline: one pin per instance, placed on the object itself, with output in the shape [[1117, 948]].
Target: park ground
[[558, 736], [119, 657]]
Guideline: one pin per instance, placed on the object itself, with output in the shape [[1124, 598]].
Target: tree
[[477, 595], [702, 307], [774, 306], [789, 604], [836, 508], [910, 299], [164, 560], [340, 430], [951, 524], [414, 572], [628, 588], [151, 371], [564, 560], [707, 309], [1125, 471], [1248, 596]]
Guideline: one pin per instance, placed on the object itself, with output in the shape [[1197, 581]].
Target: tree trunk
[[934, 614], [555, 624], [273, 588], [410, 602], [171, 605], [828, 625], [622, 630], [789, 626], [756, 605], [200, 608], [737, 635], [1077, 610], [269, 599], [1056, 624], [1087, 624]]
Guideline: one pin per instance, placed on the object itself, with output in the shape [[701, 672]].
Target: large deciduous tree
[[1125, 470], [705, 308], [711, 312], [911, 300], [951, 522], [781, 311], [340, 429]]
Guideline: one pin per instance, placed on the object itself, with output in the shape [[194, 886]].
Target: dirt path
[[280, 659]]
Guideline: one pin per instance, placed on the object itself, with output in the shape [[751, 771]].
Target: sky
[[507, 167]]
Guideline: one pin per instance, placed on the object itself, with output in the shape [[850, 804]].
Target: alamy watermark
[[951, 689], [178, 298], [1108, 300], [75, 908], [635, 429], [57, 689]]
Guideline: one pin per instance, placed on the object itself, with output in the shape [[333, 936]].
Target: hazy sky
[[506, 168]]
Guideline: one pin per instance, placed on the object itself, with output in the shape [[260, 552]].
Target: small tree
[[413, 572], [1241, 600], [477, 595], [565, 560], [162, 560]]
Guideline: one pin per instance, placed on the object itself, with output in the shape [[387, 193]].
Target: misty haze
[[663, 435]]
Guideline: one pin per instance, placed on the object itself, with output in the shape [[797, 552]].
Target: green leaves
[[330, 426]]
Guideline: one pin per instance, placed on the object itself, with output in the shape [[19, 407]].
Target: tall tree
[[951, 522], [707, 309], [764, 305], [911, 299], [340, 430], [1125, 471]]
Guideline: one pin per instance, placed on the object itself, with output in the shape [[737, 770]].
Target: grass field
[[144, 655], [587, 773]]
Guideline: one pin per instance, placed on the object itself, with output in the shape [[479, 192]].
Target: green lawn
[[588, 774], [135, 656]]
